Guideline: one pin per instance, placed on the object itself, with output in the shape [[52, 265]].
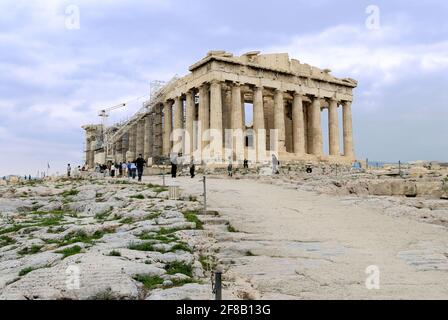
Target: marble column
[[158, 132], [149, 125], [204, 116], [118, 150], [216, 119], [348, 130], [89, 153], [298, 125], [178, 124], [316, 127], [168, 127], [189, 122], [125, 146], [140, 142], [237, 122], [130, 155], [333, 128], [279, 120], [259, 127]]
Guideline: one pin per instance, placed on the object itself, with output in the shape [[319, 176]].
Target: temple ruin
[[204, 113]]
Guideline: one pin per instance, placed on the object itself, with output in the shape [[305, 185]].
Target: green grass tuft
[[149, 282], [138, 196], [69, 193], [30, 250], [191, 216], [6, 241], [69, 251], [25, 271], [128, 220], [230, 228], [145, 246], [114, 253], [179, 267], [182, 247]]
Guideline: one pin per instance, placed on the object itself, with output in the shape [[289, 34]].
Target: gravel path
[[294, 244]]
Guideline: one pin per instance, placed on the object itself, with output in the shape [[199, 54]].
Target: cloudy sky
[[54, 76]]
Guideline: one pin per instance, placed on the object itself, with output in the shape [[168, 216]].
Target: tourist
[[246, 164], [192, 168], [275, 164], [69, 170], [120, 169], [124, 169], [112, 171], [140, 163], [133, 170], [129, 169], [174, 161], [230, 169]]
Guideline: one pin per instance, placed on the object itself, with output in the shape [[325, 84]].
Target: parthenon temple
[[204, 114]]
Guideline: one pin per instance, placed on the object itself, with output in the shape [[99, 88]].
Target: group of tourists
[[131, 169]]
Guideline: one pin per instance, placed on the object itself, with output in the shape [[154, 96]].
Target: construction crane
[[104, 114]]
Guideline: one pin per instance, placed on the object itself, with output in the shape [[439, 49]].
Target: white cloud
[[357, 52]]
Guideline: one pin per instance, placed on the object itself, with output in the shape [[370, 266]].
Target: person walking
[[192, 168], [124, 168], [174, 162], [230, 168], [129, 169], [274, 164], [133, 170], [140, 163], [69, 170]]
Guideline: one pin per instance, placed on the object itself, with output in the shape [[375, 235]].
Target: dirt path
[[298, 245]]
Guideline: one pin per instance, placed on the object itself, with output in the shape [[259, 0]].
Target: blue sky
[[53, 79]]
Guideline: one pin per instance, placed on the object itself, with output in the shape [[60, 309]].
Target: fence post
[[218, 285], [205, 194]]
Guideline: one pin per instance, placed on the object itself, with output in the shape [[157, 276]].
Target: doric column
[[178, 124], [348, 130], [148, 149], [204, 116], [125, 146], [259, 127], [168, 126], [216, 119], [333, 128], [118, 150], [237, 122], [279, 120], [298, 125], [158, 132], [140, 143], [189, 121], [88, 152], [316, 127], [130, 155]]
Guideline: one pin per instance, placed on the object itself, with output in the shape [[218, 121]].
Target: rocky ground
[[101, 239], [289, 236]]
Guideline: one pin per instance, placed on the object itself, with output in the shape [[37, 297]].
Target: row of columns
[[150, 137]]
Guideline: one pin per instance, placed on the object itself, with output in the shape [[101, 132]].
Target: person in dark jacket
[[140, 164], [192, 168]]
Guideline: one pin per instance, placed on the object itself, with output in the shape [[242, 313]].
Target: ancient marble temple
[[205, 114]]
